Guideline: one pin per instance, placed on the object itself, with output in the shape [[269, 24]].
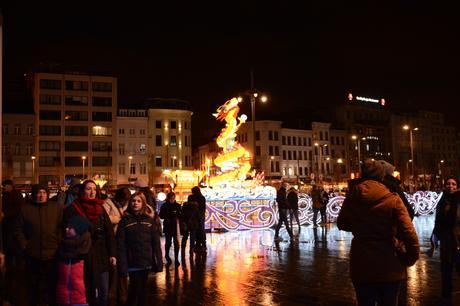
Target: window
[[187, 161], [5, 129], [121, 149], [257, 135], [257, 150], [327, 135], [76, 131], [277, 151], [49, 161], [321, 135], [142, 168], [289, 140], [50, 115], [49, 146], [300, 171], [332, 140], [294, 141], [50, 130], [294, 155], [309, 141], [50, 99], [289, 155], [158, 124], [132, 168], [187, 143], [29, 149], [283, 141], [305, 155], [277, 166], [102, 161], [173, 124], [272, 166], [276, 135], [300, 155], [174, 162], [270, 150], [142, 148], [102, 101], [76, 85], [76, 116], [158, 141], [185, 125], [6, 149], [102, 116], [17, 149], [310, 155], [76, 146], [343, 141], [102, 86], [173, 141], [102, 146], [121, 168], [17, 129], [158, 161], [270, 135], [50, 84], [305, 141], [284, 155], [306, 170], [142, 131], [132, 131], [76, 100], [121, 131], [102, 131]]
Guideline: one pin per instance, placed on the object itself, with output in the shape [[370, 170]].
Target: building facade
[[75, 120], [18, 148], [132, 146]]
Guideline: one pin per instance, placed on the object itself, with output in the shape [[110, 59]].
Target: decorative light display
[[258, 209]]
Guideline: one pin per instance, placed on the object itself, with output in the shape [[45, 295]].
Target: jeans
[[193, 240], [283, 219], [384, 294], [137, 288], [169, 238]]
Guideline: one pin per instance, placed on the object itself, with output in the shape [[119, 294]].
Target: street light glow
[[240, 99], [406, 127], [83, 157], [264, 99], [255, 94], [32, 157], [354, 137]]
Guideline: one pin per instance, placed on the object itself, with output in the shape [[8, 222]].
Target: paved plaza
[[247, 268]]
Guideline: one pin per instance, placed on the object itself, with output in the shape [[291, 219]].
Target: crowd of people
[[85, 247]]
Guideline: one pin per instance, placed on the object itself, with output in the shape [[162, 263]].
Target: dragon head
[[225, 108]]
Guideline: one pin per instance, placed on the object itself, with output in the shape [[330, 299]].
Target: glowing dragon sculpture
[[234, 160]]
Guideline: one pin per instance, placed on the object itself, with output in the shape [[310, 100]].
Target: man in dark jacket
[[38, 230], [380, 225], [170, 212], [190, 224], [198, 197], [12, 202], [281, 199], [293, 204]]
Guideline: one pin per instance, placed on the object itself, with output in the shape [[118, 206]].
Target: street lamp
[[130, 158], [33, 168], [271, 167], [320, 148], [253, 94], [358, 146], [441, 162], [83, 158], [411, 144]]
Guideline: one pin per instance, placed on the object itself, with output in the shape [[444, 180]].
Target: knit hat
[[373, 169], [79, 224], [34, 191], [389, 168]]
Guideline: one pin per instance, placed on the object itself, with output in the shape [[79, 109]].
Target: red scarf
[[89, 208]]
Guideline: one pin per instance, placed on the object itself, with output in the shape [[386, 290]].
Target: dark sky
[[307, 58]]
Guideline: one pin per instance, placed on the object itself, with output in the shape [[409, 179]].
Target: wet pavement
[[247, 268]]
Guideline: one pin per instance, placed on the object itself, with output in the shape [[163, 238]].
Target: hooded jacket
[[376, 217]]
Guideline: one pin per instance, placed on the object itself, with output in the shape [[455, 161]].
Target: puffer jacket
[[376, 217], [38, 229], [70, 288], [139, 245]]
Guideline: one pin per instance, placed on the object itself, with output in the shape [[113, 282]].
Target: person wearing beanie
[[380, 224], [38, 234], [71, 288]]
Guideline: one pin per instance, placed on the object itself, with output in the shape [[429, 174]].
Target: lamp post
[[339, 166], [441, 162], [83, 158], [271, 167], [253, 94], [411, 144], [320, 163], [130, 158], [33, 168]]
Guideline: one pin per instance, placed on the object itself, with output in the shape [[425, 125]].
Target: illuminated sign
[[381, 101], [367, 99]]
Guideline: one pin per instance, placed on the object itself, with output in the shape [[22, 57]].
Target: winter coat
[[293, 200], [114, 211], [171, 214], [394, 185], [281, 198], [38, 229], [71, 288], [316, 198], [12, 203], [201, 200], [376, 216], [138, 244], [447, 224], [190, 217]]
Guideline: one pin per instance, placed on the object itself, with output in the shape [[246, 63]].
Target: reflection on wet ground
[[247, 268]]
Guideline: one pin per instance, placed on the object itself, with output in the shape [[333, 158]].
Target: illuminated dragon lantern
[[234, 160]]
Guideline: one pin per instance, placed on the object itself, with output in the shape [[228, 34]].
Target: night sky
[[306, 58]]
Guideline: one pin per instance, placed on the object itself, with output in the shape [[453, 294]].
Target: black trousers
[[41, 276], [169, 239], [282, 213], [137, 288], [384, 294]]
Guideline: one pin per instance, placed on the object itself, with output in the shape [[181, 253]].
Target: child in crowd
[[139, 248], [70, 289]]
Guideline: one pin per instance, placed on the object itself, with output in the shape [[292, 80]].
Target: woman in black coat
[[103, 249], [139, 248], [170, 212], [447, 232]]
